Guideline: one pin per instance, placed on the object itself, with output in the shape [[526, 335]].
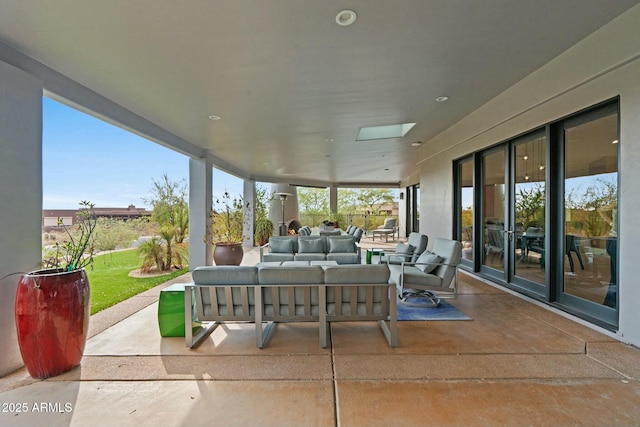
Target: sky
[[85, 158]]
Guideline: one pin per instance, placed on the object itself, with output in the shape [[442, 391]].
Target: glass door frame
[[412, 214], [466, 262], [602, 315], [522, 284], [507, 275], [479, 228]]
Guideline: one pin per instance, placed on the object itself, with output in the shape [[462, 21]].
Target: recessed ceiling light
[[214, 117], [416, 144], [329, 139], [345, 17], [615, 141], [442, 98]]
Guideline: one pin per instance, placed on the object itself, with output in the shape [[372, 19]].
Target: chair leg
[[424, 298], [570, 261]]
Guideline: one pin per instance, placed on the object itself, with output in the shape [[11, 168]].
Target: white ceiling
[[292, 87]]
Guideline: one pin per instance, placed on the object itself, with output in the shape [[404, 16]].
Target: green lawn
[[110, 281]]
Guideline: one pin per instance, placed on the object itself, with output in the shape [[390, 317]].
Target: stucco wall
[[604, 65], [20, 195]]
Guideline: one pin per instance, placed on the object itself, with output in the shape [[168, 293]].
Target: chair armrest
[[262, 248], [409, 263]]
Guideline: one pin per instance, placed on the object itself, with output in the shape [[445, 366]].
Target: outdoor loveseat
[[343, 249], [273, 293]]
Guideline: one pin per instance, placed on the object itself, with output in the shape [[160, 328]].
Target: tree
[[313, 200], [171, 212], [170, 208], [530, 206], [592, 211], [263, 201], [374, 198], [348, 200]]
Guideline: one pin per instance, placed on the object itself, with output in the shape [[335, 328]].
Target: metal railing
[[366, 222]]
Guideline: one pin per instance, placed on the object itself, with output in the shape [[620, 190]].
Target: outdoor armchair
[[415, 246], [433, 274]]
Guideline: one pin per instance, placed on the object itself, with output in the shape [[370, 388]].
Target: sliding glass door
[[528, 212], [464, 215], [539, 213], [513, 213], [493, 211], [590, 228]]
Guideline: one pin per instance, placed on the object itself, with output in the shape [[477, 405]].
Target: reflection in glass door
[[591, 211], [529, 194], [493, 209]]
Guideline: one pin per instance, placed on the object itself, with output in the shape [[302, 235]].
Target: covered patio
[[515, 363], [278, 92]]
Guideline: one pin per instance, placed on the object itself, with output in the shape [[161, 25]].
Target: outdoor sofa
[[343, 249], [274, 293]]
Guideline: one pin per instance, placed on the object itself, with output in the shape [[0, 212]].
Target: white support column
[[402, 213], [333, 200], [249, 221], [21, 196], [200, 199]]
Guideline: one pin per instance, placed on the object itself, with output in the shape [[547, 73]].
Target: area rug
[[444, 311]]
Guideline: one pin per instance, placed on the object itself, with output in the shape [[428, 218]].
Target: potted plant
[[336, 219], [226, 229], [52, 304], [264, 230]]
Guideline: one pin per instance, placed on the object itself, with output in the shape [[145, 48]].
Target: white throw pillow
[[428, 261]]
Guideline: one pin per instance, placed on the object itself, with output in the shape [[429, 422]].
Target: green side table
[[171, 311], [374, 252]]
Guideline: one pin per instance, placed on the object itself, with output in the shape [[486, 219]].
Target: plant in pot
[[264, 230], [52, 304], [226, 229]]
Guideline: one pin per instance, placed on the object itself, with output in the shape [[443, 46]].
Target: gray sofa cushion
[[225, 275], [320, 256], [341, 244], [343, 258], [290, 275], [281, 245], [428, 261], [356, 273], [310, 245], [276, 257]]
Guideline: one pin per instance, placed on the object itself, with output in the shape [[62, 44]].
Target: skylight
[[384, 132]]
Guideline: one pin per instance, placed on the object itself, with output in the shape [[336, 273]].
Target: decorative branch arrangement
[[78, 251]]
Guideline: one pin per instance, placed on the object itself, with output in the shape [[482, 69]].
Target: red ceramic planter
[[52, 320]]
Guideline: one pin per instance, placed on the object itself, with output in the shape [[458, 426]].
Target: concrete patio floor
[[514, 364]]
